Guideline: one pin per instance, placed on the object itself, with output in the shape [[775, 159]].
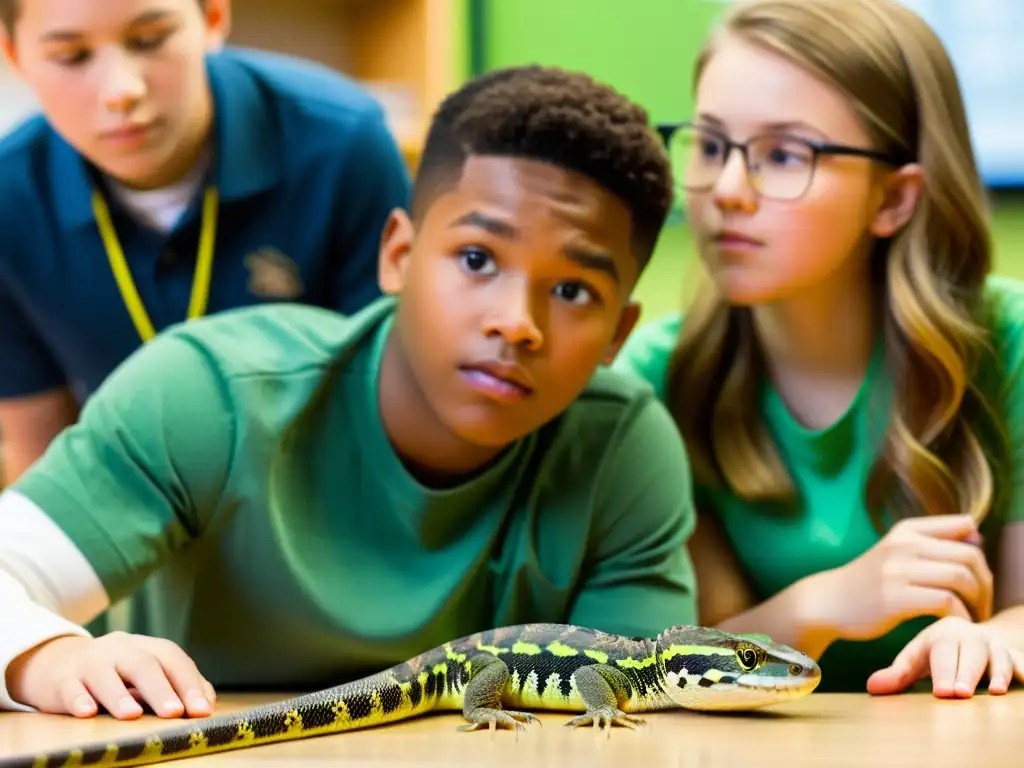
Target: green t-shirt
[[829, 468], [242, 462]]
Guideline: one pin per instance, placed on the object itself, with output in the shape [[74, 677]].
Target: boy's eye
[[477, 261], [70, 58], [148, 42], [575, 293]]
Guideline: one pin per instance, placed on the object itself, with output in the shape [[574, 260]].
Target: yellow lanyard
[[123, 276]]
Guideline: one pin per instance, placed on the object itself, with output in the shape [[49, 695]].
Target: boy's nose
[[123, 85], [514, 318]]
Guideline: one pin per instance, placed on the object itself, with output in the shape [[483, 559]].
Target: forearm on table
[[47, 587], [24, 625], [789, 617]]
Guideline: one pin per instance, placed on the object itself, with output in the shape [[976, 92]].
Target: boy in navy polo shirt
[[321, 496], [165, 181]]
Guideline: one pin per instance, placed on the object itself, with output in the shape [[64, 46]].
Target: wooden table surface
[[821, 730]]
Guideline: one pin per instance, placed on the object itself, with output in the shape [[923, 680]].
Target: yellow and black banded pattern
[[428, 682], [541, 660]]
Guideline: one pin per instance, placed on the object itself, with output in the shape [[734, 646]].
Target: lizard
[[494, 677]]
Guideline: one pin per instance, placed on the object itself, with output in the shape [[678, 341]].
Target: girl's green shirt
[[830, 525]]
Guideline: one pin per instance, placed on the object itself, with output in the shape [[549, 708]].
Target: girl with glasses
[[848, 381]]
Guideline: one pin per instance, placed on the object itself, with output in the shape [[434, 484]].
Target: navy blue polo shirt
[[306, 170]]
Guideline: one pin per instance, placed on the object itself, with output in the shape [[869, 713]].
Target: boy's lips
[[507, 382], [129, 132]]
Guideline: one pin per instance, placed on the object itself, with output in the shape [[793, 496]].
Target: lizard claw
[[604, 718], [497, 718]]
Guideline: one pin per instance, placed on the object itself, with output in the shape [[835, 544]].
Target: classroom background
[[412, 52]]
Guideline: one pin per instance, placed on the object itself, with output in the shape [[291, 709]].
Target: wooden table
[[823, 730]]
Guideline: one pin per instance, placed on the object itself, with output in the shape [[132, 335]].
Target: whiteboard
[[985, 39]]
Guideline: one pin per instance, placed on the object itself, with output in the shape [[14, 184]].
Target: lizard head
[[713, 670]]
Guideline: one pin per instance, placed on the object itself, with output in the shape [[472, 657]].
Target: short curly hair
[[564, 118]]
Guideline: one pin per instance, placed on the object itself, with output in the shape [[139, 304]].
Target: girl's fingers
[[1000, 669], [943, 662], [975, 653]]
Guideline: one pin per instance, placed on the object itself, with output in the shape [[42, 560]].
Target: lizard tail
[[402, 692]]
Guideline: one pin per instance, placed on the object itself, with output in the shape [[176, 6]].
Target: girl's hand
[[925, 566], [956, 654]]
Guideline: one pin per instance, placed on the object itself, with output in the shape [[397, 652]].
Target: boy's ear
[[395, 248], [218, 23], [627, 322], [902, 191]]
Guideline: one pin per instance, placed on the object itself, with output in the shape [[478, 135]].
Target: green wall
[[643, 47]]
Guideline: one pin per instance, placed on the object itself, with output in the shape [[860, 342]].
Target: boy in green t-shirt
[[311, 497]]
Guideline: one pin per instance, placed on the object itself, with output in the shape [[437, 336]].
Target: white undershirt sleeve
[[47, 587]]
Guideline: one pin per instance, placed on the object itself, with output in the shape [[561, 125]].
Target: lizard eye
[[750, 657], [795, 669]]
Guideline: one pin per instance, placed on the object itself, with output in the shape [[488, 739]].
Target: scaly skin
[[494, 678]]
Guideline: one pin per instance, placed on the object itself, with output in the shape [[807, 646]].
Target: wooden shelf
[[401, 50]]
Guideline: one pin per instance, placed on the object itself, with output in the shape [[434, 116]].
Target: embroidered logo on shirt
[[272, 275]]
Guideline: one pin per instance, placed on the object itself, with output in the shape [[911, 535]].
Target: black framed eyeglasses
[[779, 166]]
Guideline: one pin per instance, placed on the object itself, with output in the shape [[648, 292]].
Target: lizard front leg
[[603, 688], [481, 701]]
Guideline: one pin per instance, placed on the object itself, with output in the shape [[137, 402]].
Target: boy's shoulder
[[32, 157], [648, 350], [23, 151], [302, 88], [277, 340], [32, 131], [609, 385], [612, 403]]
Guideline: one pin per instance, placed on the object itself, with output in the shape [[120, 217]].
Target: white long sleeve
[[47, 587]]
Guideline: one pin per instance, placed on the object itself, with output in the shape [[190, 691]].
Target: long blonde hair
[[939, 450]]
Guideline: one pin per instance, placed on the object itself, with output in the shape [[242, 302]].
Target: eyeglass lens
[[777, 166]]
